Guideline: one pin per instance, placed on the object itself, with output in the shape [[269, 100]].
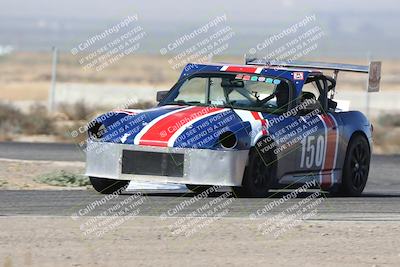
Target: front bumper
[[200, 166]]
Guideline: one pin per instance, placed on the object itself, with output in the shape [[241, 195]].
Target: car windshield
[[241, 91]]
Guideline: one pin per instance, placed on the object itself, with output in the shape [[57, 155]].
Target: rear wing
[[373, 69]]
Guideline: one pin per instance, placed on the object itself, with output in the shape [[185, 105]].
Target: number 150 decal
[[312, 151]]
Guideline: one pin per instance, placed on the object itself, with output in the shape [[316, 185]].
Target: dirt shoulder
[[148, 241], [21, 174]]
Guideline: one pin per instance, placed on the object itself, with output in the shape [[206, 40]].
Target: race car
[[252, 127]]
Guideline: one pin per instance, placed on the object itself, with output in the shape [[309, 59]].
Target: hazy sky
[[174, 10], [352, 26]]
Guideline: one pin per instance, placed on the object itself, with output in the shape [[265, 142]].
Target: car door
[[313, 154], [309, 150]]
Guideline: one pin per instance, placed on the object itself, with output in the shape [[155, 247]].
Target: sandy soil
[[20, 174], [147, 241]]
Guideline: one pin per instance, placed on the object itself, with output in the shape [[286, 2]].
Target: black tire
[[198, 188], [356, 167], [258, 175], [108, 186]]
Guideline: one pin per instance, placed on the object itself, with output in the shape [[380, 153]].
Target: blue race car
[[252, 127]]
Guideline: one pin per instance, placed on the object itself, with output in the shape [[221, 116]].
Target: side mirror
[[161, 95]]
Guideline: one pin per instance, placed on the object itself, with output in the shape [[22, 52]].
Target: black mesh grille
[[152, 163]]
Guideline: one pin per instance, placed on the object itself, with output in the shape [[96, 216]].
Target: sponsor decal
[[298, 76], [269, 80], [276, 81]]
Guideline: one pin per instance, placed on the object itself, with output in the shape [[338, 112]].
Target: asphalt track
[[380, 201], [41, 151]]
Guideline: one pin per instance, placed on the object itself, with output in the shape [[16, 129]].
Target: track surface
[[41, 151], [381, 200], [66, 203]]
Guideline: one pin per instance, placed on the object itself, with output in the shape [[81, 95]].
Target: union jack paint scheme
[[252, 127]]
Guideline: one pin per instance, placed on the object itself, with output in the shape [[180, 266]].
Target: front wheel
[[108, 186], [356, 167], [258, 176]]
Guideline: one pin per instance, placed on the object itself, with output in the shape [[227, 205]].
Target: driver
[[282, 95]]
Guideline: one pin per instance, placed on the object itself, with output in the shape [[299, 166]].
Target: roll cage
[[324, 84]]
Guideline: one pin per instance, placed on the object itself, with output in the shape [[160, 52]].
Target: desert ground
[[22, 174], [147, 241]]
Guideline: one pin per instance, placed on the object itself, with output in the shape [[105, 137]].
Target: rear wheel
[[356, 167], [108, 186], [258, 176]]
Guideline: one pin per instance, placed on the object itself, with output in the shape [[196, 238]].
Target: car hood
[[171, 126]]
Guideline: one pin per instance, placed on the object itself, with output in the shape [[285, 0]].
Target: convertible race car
[[252, 127]]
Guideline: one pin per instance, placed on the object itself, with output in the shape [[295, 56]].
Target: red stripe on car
[[241, 69], [330, 154], [160, 133], [257, 116]]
